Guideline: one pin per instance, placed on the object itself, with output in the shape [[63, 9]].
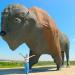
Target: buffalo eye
[[17, 20]]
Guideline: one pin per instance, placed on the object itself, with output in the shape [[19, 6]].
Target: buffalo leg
[[33, 60], [62, 52], [57, 61], [67, 57], [67, 53]]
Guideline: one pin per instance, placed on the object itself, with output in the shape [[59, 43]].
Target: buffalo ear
[[27, 14]]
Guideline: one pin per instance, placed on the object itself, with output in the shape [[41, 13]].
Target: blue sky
[[63, 13]]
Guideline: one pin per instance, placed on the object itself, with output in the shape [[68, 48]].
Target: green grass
[[42, 63], [10, 64], [72, 62], [20, 64]]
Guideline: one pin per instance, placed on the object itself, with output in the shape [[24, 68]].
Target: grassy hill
[[11, 64]]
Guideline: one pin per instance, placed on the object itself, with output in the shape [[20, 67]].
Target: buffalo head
[[16, 25]]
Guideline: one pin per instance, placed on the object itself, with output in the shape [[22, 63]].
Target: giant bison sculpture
[[34, 27]]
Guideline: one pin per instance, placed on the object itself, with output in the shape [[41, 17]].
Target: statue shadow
[[21, 70], [43, 69], [11, 71]]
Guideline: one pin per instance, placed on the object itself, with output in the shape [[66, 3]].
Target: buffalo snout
[[2, 33]]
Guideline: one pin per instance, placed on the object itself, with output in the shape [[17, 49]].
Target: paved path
[[39, 71]]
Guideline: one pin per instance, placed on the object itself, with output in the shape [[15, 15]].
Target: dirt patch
[[40, 71]]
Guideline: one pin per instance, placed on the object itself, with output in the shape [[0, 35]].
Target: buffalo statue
[[34, 27]]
